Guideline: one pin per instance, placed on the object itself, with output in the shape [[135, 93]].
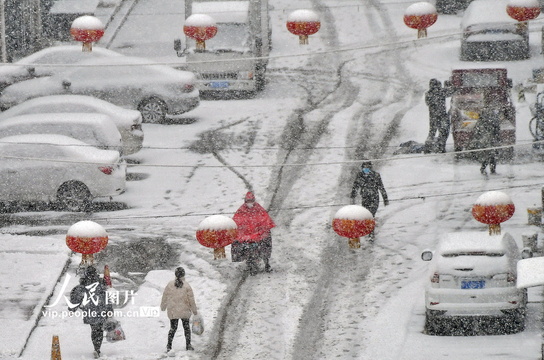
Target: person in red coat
[[254, 240]]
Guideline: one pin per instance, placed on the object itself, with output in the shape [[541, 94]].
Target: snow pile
[[217, 222], [353, 212], [87, 22], [200, 20], [530, 272], [420, 8], [524, 3], [303, 15], [86, 229], [494, 198]]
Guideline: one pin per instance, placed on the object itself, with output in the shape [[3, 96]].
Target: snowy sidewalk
[[29, 271]]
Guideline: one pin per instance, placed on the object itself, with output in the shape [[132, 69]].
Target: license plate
[[472, 284], [219, 84]]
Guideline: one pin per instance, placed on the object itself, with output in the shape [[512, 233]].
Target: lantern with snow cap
[[523, 10], [87, 29], [493, 208], [303, 23], [217, 231], [420, 16], [87, 238], [353, 221], [200, 27]]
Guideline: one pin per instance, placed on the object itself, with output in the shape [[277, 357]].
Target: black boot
[[267, 267]]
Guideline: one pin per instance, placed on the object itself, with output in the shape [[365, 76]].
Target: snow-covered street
[[355, 92]]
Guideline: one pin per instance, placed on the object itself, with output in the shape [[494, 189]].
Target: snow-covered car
[[490, 34], [473, 274], [128, 122], [134, 83], [93, 129], [58, 169], [41, 62]]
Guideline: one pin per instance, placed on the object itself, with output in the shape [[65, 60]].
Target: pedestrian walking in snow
[[90, 296], [439, 120], [486, 136], [179, 302], [369, 185], [254, 240]]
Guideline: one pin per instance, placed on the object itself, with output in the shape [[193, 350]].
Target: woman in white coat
[[179, 302]]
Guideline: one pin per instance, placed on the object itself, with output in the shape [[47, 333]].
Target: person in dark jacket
[[369, 185], [90, 296], [486, 136], [435, 98]]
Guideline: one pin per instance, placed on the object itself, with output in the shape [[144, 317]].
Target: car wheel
[[431, 326], [74, 196], [153, 110]]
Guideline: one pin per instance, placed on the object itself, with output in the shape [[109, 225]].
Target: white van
[[473, 275], [490, 34]]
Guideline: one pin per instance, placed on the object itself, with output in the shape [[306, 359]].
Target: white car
[[39, 63], [58, 169], [128, 122], [134, 83], [93, 129], [473, 275], [490, 34]]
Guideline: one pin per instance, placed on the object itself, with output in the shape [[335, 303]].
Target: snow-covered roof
[[223, 11], [486, 12], [73, 103], [463, 242]]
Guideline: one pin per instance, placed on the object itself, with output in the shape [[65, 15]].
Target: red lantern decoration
[[87, 238], [353, 221], [217, 231], [493, 208], [87, 29], [303, 23], [523, 10], [420, 16], [200, 27]]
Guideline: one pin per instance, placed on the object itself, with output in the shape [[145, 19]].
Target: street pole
[[3, 32]]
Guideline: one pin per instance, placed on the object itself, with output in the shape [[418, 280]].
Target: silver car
[[134, 83], [128, 122], [58, 169]]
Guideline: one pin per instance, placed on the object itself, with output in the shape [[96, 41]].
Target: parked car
[[39, 63], [135, 83], [474, 90], [128, 122], [93, 129], [473, 275], [58, 169], [490, 34]]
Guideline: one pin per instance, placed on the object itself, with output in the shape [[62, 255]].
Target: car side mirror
[[31, 71], [526, 253], [427, 255], [66, 84]]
